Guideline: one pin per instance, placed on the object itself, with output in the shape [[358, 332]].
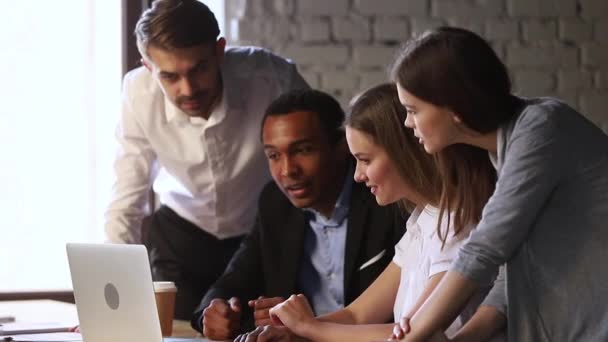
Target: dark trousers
[[181, 252]]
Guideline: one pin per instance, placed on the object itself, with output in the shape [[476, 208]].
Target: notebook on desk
[[32, 328], [114, 293]]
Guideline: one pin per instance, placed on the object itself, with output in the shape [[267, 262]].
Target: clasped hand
[[222, 319]]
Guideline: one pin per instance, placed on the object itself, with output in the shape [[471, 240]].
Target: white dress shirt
[[210, 172], [420, 256]]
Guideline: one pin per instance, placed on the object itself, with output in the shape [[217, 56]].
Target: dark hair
[[457, 69], [378, 113], [324, 105], [170, 24]]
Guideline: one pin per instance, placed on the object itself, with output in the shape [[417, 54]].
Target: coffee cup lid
[[164, 286]]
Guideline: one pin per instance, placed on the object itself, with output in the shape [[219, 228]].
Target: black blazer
[[268, 260]]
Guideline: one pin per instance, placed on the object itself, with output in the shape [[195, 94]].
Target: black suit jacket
[[268, 260]]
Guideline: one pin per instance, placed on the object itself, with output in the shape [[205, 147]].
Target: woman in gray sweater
[[547, 220]]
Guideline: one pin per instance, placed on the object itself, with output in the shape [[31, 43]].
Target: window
[[61, 68]]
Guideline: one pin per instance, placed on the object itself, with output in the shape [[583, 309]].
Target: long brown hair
[[378, 113], [456, 69], [468, 180]]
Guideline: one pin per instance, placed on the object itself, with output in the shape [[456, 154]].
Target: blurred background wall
[[552, 47]]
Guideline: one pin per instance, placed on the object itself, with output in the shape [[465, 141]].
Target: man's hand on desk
[[222, 319], [261, 308]]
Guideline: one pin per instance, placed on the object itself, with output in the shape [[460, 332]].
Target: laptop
[[114, 293]]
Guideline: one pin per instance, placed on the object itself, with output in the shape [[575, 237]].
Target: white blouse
[[420, 256]]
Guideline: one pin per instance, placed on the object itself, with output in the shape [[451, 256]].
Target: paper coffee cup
[[165, 292]]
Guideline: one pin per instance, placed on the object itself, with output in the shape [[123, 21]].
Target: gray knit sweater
[[548, 221]]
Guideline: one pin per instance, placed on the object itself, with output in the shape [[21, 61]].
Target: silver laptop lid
[[114, 293]]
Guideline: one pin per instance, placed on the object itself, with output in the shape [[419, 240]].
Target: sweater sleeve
[[497, 297], [533, 162]]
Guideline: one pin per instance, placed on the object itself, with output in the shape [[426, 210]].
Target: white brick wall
[[574, 80], [369, 79], [339, 81], [533, 82], [373, 56], [501, 29], [535, 30], [601, 30], [467, 9], [552, 47], [542, 57], [475, 24], [595, 55], [601, 79], [320, 7], [542, 8], [575, 30], [594, 8], [390, 29], [354, 28], [313, 30], [391, 7]]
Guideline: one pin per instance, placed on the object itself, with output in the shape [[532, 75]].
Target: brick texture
[[551, 47]]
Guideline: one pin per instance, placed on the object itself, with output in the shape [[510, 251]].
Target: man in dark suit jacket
[[288, 248]]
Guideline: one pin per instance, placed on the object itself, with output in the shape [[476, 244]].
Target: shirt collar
[[502, 134], [342, 203], [495, 158], [427, 217]]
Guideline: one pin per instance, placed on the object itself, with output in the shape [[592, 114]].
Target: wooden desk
[[183, 329], [44, 311], [40, 311]]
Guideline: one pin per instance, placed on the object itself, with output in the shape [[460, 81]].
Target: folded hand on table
[[295, 313], [261, 308], [222, 319]]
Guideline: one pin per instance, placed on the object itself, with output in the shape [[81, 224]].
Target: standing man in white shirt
[[190, 130]]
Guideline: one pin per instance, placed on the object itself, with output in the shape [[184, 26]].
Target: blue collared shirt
[[321, 275]]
